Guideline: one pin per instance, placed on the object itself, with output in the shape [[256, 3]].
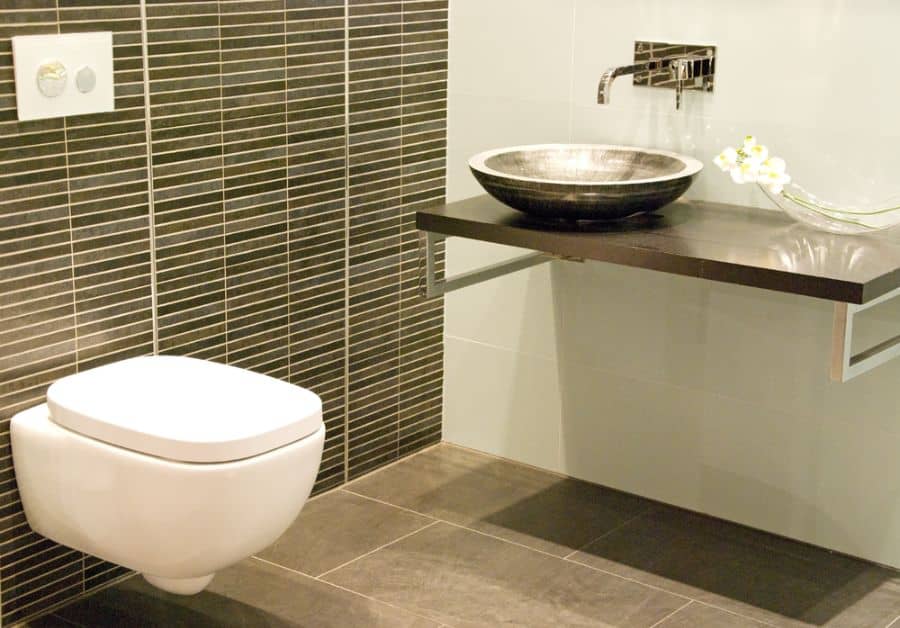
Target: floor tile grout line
[[379, 501], [608, 532], [369, 553], [342, 588], [621, 577], [500, 538], [672, 614], [761, 622], [67, 622]]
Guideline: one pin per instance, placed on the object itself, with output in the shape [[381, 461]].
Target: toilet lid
[[184, 409]]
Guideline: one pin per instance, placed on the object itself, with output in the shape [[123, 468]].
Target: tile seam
[[287, 191], [672, 614], [65, 129], [148, 136], [377, 549], [384, 503], [222, 179], [347, 218], [62, 619], [608, 532], [761, 622], [398, 420], [342, 588], [572, 60]]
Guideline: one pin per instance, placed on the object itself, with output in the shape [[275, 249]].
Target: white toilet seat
[[184, 409]]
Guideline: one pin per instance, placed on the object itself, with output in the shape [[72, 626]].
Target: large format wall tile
[[252, 203], [711, 397]]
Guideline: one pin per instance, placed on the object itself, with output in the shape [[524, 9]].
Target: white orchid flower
[[745, 172], [774, 181], [758, 153], [752, 164], [727, 159], [773, 164]]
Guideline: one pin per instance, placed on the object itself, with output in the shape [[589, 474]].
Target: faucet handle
[[691, 68], [682, 70]]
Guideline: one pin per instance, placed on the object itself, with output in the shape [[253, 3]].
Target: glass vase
[[804, 207]]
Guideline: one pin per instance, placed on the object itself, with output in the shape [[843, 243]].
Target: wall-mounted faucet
[[672, 66]]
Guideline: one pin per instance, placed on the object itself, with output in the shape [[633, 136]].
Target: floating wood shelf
[[731, 244]]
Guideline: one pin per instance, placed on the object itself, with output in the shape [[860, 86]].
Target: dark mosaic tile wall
[[273, 191], [397, 118]]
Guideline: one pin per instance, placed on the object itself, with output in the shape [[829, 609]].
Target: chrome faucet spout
[[680, 67], [611, 74], [606, 80]]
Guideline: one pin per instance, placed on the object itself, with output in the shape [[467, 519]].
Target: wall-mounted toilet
[[173, 467]]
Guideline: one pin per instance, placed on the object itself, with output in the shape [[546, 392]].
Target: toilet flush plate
[[63, 75]]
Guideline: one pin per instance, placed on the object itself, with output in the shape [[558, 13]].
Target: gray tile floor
[[454, 538]]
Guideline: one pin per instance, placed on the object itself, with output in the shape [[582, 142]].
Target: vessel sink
[[584, 181]]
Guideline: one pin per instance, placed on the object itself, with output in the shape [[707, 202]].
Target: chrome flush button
[[51, 78], [85, 79]]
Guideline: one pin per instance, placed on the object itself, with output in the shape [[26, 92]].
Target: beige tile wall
[[708, 396]]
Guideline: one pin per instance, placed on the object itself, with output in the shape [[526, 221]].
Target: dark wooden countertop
[[739, 245]]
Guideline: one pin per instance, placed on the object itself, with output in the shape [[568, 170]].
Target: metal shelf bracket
[[845, 365], [432, 286]]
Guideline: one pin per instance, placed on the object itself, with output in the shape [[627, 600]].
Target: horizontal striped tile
[[286, 163]]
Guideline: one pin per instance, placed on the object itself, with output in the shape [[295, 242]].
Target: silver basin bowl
[[584, 181]]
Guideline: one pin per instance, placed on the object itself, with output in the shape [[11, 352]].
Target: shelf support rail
[[845, 365], [432, 286]]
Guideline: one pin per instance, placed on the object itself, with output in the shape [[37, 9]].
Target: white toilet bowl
[[170, 466]]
